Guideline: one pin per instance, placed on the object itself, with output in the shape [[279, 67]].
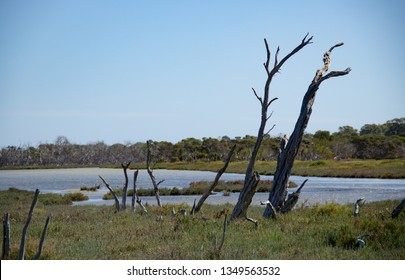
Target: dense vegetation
[[373, 141], [98, 232]]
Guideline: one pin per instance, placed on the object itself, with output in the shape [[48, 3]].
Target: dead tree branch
[[150, 172], [286, 158], [42, 239], [117, 203], [27, 224], [215, 183]]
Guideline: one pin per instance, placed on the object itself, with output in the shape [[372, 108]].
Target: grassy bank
[[393, 168], [322, 168], [90, 232]]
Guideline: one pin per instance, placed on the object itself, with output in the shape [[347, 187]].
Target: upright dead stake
[[125, 189], [5, 252], [150, 172], [27, 224], [41, 241]]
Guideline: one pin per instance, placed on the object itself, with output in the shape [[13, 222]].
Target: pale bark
[[125, 189]]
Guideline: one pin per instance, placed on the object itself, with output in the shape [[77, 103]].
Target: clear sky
[[127, 71]]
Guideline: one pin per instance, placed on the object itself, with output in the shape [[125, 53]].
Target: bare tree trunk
[[288, 153], [117, 203], [135, 196], [5, 252], [41, 241], [125, 189], [27, 224], [152, 177], [252, 178], [215, 183]]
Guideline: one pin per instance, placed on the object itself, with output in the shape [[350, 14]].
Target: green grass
[[198, 188], [322, 168], [98, 232]]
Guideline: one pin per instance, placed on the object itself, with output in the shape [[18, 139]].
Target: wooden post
[[27, 224], [395, 213]]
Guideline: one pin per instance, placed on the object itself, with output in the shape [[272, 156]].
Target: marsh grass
[[393, 168], [198, 188], [98, 232]]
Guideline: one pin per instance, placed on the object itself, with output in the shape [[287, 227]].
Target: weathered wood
[[395, 213], [42, 239], [21, 252], [117, 203], [215, 183], [5, 252], [241, 207], [249, 188], [150, 172], [268, 203], [125, 189], [292, 199], [357, 206], [287, 155]]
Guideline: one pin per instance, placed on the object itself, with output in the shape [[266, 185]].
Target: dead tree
[[215, 183], [125, 189], [150, 172], [135, 196], [288, 153], [251, 177]]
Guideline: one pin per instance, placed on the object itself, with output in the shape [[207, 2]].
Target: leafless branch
[[117, 203], [258, 98]]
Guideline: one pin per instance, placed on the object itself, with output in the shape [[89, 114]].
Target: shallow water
[[317, 190]]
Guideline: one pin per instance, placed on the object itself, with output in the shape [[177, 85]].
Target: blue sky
[[127, 71]]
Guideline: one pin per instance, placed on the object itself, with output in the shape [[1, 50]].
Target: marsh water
[[317, 190]]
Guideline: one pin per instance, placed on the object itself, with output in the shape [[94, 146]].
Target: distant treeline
[[373, 141]]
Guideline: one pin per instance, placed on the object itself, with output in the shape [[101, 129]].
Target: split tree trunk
[[152, 177], [252, 177], [288, 153], [125, 189]]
